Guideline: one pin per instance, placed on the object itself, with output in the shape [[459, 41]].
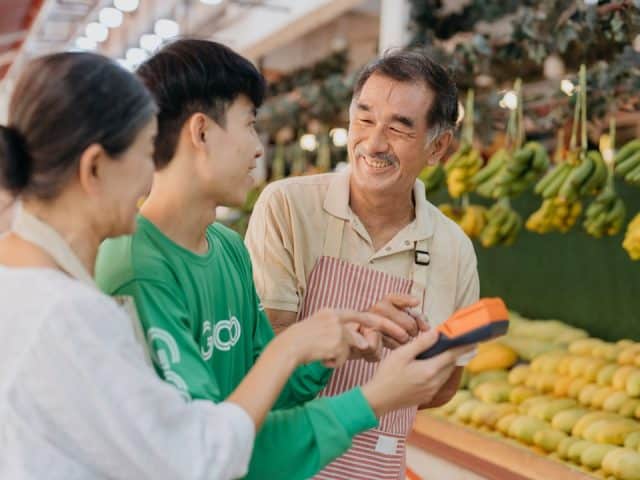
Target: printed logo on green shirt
[[206, 340], [165, 353], [227, 333]]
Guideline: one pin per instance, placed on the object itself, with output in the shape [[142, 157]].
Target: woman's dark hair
[[190, 76], [62, 104]]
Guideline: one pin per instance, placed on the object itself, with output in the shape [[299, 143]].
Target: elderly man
[[368, 239]]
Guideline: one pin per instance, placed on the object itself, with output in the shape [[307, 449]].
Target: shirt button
[[407, 242], [388, 249]]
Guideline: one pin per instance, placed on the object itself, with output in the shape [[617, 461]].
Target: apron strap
[[48, 239], [421, 270], [333, 237]]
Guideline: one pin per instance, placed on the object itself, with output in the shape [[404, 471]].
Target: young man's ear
[[439, 148], [197, 129]]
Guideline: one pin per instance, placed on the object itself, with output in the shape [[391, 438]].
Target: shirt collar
[[336, 203]]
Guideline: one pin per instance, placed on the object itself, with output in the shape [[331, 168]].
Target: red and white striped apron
[[377, 454]]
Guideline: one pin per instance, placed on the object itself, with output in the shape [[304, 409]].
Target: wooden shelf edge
[[485, 456]]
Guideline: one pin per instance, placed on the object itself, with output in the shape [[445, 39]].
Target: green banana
[[623, 167], [598, 177], [550, 177], [627, 150]]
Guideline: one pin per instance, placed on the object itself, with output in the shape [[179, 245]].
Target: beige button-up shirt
[[287, 231]]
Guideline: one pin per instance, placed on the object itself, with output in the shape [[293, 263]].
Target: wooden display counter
[[491, 458]]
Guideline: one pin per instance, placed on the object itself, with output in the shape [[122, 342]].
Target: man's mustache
[[387, 157]]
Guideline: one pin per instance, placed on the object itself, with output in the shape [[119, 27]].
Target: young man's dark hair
[[190, 76], [415, 66]]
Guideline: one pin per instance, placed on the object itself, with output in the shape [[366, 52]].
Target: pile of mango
[[567, 396]]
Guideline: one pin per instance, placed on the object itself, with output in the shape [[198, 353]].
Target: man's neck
[[180, 215], [383, 217]]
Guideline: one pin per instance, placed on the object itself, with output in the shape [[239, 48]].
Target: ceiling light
[[127, 5], [150, 42], [166, 29], [97, 32], [110, 17]]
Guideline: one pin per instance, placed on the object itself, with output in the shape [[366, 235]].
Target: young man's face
[[232, 153]]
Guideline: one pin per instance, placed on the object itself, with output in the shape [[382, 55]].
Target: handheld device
[[484, 320]]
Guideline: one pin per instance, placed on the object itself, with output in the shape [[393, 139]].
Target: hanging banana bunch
[[606, 214], [631, 241], [627, 162], [471, 218], [579, 174], [467, 160], [432, 177], [503, 225], [555, 214]]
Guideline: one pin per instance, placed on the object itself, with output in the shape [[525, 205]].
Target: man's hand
[[373, 352], [399, 309]]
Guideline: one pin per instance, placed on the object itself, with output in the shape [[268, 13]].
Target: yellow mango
[[548, 439], [611, 432], [504, 423], [519, 374], [592, 417], [632, 440], [615, 401], [482, 377], [575, 387], [600, 396], [592, 367], [593, 455], [587, 393], [494, 391], [498, 412], [546, 382], [629, 354], [578, 366], [605, 374], [519, 394], [607, 351], [565, 420], [479, 413], [492, 356], [629, 408], [530, 402], [561, 388], [459, 397], [565, 445], [575, 451], [564, 364], [524, 428], [633, 384], [547, 410], [584, 346], [466, 408], [548, 362], [611, 460], [619, 381]]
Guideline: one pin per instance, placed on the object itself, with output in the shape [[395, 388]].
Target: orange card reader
[[482, 321]]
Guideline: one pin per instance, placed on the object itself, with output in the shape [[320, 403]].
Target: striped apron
[[336, 283]]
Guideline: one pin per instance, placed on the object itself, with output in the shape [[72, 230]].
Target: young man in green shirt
[[191, 278]]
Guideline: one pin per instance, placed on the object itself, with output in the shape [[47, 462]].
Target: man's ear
[[197, 125], [439, 148], [91, 168]]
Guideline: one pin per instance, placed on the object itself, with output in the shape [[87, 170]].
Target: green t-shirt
[[205, 328]]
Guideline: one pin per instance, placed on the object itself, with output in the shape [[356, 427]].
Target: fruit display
[[472, 218], [606, 214], [509, 174], [631, 241], [555, 214], [627, 162], [550, 387], [503, 225], [461, 168]]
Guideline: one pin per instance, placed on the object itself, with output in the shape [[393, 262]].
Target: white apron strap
[[333, 237], [48, 239]]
